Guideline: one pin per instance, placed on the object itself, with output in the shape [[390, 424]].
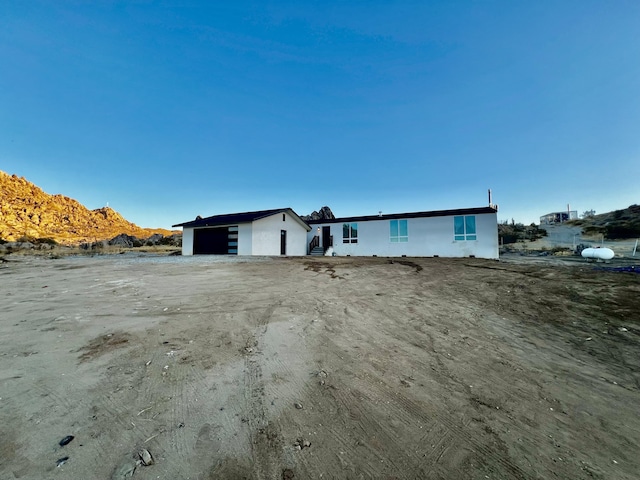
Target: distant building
[[558, 217]]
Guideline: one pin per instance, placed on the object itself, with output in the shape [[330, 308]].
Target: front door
[[283, 242], [326, 238]]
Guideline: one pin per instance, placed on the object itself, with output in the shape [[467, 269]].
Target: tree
[[588, 214]]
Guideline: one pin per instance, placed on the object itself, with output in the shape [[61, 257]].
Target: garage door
[[215, 241]]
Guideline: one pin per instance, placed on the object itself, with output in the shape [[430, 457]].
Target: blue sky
[[168, 110]]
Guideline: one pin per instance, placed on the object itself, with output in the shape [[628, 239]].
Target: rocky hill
[[27, 212], [624, 223]]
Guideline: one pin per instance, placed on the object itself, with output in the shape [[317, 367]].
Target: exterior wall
[[266, 235], [187, 241], [427, 236], [245, 239]]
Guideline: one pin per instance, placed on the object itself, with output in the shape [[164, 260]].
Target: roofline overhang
[[227, 219], [393, 216]]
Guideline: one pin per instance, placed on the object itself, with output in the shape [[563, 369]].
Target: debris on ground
[[66, 440]]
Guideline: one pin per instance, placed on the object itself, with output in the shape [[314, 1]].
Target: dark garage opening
[[215, 241]]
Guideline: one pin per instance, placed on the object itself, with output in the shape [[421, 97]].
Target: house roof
[[392, 216], [236, 218]]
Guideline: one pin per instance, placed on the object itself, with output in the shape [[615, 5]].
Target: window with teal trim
[[398, 231], [464, 227], [349, 233]]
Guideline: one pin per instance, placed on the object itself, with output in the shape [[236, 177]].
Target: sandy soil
[[311, 368]]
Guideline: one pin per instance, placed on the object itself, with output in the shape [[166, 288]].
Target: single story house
[[265, 232], [467, 232], [445, 233]]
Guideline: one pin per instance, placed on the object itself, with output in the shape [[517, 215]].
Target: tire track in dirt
[[447, 377], [87, 422], [444, 437], [175, 420], [502, 418], [399, 405], [158, 409], [187, 383], [461, 435], [366, 439], [382, 442], [263, 438]]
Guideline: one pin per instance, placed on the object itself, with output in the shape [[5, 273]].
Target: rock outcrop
[[27, 212], [325, 213]]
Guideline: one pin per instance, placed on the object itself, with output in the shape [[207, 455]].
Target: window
[[284, 217], [464, 227], [349, 233], [398, 232], [232, 240]]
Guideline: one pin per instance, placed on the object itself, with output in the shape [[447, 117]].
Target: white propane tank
[[599, 253]]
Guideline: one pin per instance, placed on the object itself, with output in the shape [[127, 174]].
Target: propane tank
[[598, 253]]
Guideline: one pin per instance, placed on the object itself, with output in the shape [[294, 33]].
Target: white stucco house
[[265, 232], [469, 232]]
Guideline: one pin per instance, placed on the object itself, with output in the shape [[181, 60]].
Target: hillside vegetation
[[28, 213], [518, 232], [618, 224]]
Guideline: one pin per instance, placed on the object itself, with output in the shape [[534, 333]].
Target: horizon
[[500, 220], [167, 112]]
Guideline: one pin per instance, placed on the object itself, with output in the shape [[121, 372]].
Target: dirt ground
[[307, 368]]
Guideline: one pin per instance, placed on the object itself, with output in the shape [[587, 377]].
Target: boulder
[[21, 245], [154, 239], [124, 240]]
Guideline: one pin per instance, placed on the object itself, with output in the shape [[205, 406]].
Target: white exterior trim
[[187, 241]]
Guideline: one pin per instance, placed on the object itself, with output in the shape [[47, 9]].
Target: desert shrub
[[47, 240], [518, 232], [166, 241], [626, 229], [580, 247], [37, 241], [26, 238], [593, 230]]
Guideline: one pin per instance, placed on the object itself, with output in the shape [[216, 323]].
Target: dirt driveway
[[310, 368]]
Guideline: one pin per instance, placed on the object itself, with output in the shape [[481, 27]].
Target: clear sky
[[168, 110]]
